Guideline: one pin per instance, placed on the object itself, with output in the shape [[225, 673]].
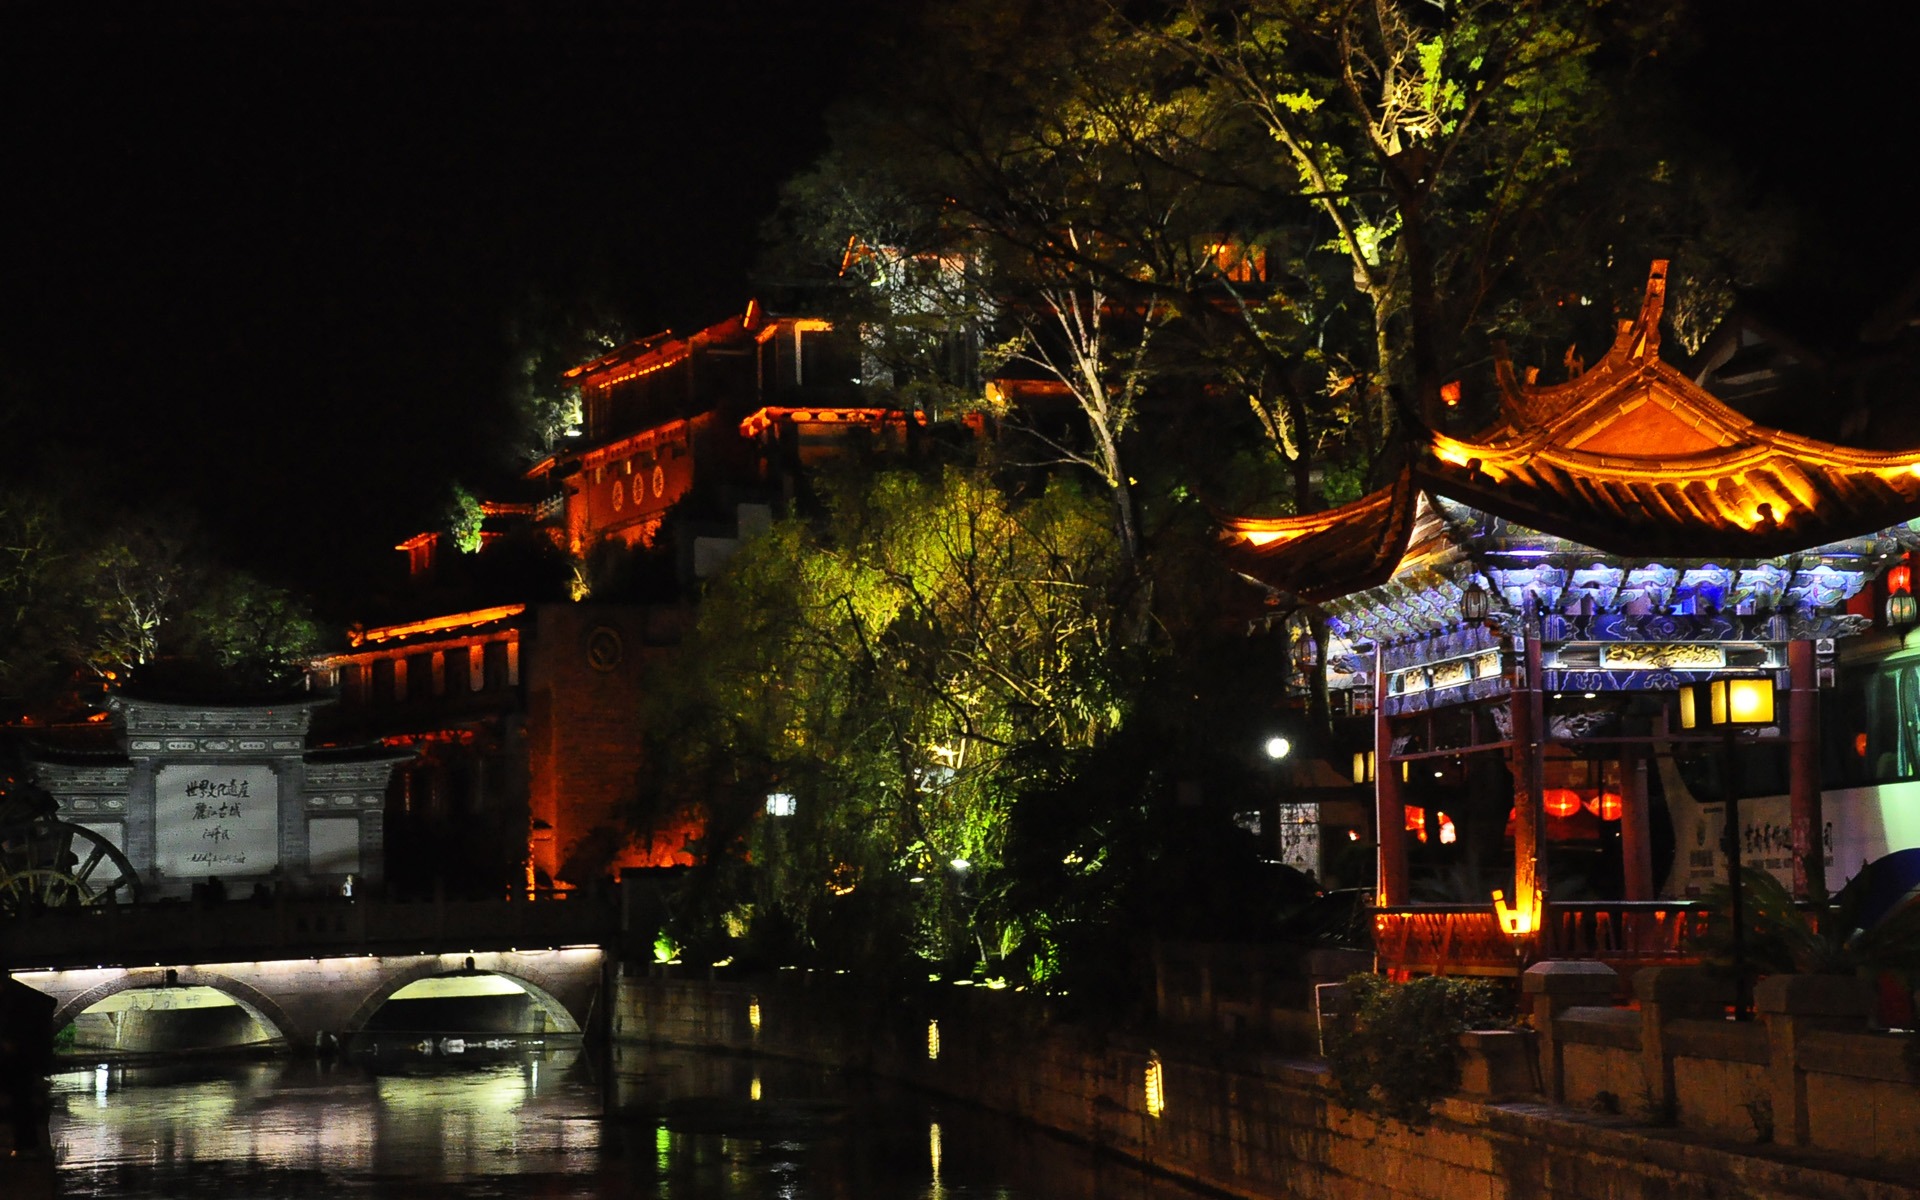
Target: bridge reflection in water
[[694, 1126]]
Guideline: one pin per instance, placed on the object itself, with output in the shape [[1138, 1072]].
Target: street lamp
[[1278, 747], [1729, 705]]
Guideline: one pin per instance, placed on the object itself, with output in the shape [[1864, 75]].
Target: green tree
[[1311, 213], [1479, 164], [137, 580], [882, 666], [86, 604], [250, 634], [546, 340]]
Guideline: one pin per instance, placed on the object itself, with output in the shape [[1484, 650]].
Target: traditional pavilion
[[1536, 615]]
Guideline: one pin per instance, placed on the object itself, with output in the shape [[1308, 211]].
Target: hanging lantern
[[1561, 802], [1417, 822], [1901, 608], [1473, 602], [1607, 806], [1306, 652]]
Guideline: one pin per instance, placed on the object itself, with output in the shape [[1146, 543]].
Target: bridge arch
[[564, 1021], [256, 1003]]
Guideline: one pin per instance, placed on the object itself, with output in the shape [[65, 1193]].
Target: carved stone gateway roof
[[1632, 459]]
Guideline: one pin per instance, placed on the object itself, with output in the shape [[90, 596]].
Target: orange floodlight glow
[[1517, 920], [465, 620]]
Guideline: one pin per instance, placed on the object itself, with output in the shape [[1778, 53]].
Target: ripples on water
[[678, 1126]]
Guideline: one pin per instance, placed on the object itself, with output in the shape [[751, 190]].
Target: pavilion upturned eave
[[1324, 555], [1756, 516], [1631, 458]]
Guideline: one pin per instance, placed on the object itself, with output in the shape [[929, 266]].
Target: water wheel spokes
[[51, 864]]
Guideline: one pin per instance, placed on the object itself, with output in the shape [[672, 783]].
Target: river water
[[674, 1125]]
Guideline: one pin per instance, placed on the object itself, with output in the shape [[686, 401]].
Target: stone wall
[[1253, 1126], [1805, 1072]]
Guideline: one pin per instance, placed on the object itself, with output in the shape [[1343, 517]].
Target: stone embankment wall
[[1805, 1071], [1250, 1126]]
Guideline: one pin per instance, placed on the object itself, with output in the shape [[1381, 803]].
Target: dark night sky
[[258, 257], [261, 257]]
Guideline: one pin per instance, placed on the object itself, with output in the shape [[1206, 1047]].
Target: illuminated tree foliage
[[885, 667], [545, 339], [1306, 213], [87, 604]]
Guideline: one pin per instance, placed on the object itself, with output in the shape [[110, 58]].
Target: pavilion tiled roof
[[1631, 457]]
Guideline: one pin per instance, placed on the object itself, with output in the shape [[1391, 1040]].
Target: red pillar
[[1636, 845], [1803, 772], [1527, 761], [1390, 810]]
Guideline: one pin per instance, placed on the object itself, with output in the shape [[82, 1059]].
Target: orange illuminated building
[[524, 716], [741, 407], [1542, 624]]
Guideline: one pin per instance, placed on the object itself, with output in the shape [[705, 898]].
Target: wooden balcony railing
[[1463, 939]]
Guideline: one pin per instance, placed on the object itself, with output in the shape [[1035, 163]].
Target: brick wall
[[586, 666]]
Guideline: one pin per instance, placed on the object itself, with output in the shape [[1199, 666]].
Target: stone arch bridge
[[304, 970]]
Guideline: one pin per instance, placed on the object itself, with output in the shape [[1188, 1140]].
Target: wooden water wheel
[[49, 864]]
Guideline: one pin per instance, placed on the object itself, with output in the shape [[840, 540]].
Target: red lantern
[[1417, 821], [1607, 806], [1561, 802], [1899, 579]]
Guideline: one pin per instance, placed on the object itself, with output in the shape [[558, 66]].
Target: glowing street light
[[1278, 748]]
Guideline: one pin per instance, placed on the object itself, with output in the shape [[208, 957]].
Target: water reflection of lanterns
[[1561, 802]]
